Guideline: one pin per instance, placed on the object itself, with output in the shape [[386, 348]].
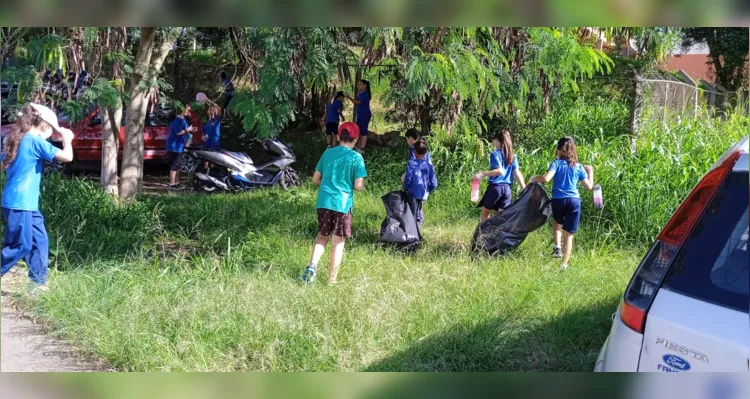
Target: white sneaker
[[563, 267]]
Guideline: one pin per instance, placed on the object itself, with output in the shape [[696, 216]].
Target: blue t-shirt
[[21, 191], [175, 142], [566, 179], [340, 167], [363, 108], [426, 155], [332, 113], [497, 161], [212, 129], [228, 87], [420, 178]]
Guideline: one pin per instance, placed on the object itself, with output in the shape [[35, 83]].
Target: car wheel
[[53, 166]]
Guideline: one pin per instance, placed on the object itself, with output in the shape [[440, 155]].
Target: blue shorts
[[364, 125], [567, 212], [497, 196]]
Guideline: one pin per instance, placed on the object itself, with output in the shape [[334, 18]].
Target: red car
[[87, 144]]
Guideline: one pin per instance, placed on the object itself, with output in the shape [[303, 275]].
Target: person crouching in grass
[[340, 172], [419, 180]]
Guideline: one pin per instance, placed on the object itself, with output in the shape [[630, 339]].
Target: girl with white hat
[[24, 152]]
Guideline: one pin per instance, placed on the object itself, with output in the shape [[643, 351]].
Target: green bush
[[84, 222]]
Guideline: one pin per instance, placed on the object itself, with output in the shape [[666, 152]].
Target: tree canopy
[[727, 53]]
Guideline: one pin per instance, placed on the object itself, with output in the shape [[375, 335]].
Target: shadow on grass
[[569, 342]]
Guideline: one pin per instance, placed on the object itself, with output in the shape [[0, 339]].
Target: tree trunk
[[425, 119], [76, 59], [111, 120], [318, 103], [546, 92], [147, 65], [110, 145]]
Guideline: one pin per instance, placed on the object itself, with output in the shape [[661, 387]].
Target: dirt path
[[25, 346]]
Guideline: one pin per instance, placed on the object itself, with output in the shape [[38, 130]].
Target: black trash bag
[[399, 227], [505, 231]]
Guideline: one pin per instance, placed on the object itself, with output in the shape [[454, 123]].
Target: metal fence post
[[666, 102], [695, 105]]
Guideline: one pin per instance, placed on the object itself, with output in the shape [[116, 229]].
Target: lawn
[[220, 291]]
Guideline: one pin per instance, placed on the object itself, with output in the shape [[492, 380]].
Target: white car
[[687, 306]]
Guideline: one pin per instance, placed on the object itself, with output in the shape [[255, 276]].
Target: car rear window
[[713, 263]]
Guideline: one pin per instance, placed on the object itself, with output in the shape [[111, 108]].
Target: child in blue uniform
[[566, 172], [504, 169], [419, 180], [334, 115], [178, 133], [364, 114], [212, 128], [412, 137], [24, 152]]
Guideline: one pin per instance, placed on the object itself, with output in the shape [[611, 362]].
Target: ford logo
[[676, 362]]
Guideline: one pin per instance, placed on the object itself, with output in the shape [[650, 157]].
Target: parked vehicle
[[87, 145], [221, 170], [687, 306], [7, 91]]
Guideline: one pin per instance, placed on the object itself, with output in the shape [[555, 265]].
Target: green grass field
[[222, 293], [181, 281]]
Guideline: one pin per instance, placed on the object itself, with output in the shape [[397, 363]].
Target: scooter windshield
[[279, 148]]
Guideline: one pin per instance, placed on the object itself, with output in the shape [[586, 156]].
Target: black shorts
[[497, 196], [174, 160], [364, 125], [334, 223], [227, 99], [567, 212], [332, 128]]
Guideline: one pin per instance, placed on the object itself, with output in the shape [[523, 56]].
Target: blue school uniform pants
[[26, 239]]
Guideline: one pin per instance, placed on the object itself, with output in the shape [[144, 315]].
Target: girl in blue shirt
[[362, 107], [212, 128], [566, 172], [24, 152], [503, 169], [334, 114], [178, 131]]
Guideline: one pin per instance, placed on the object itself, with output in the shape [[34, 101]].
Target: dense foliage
[[727, 53]]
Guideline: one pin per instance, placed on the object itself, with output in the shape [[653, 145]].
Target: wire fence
[[668, 98]]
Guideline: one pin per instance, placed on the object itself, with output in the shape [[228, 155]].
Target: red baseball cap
[[351, 127]]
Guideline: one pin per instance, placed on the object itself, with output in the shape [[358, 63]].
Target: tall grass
[[85, 223], [641, 190]]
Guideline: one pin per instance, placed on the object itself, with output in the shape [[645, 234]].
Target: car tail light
[[650, 273]]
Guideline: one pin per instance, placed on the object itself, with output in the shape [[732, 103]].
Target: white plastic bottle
[[598, 200]]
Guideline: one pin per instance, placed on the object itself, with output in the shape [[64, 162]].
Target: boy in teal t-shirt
[[339, 173]]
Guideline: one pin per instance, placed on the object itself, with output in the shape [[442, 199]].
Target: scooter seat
[[240, 156]]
